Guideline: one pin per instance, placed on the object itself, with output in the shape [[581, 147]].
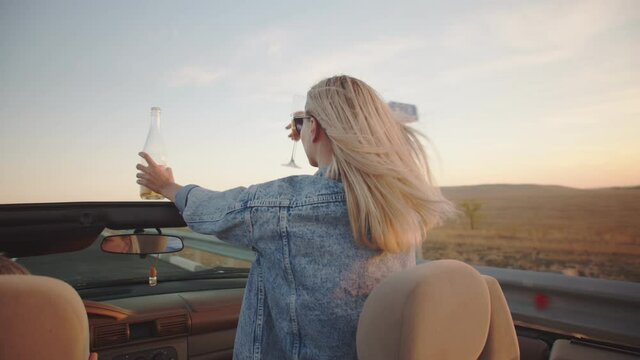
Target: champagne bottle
[[154, 146]]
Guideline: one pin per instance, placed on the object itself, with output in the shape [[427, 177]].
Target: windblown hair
[[391, 198]]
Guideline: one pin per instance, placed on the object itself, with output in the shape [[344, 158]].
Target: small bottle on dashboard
[[154, 146], [153, 276]]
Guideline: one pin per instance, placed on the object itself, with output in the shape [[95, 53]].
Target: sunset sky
[[543, 92]]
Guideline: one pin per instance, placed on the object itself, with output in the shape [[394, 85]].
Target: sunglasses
[[296, 125]]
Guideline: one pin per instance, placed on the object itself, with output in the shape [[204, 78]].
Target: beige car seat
[[440, 310], [41, 318]]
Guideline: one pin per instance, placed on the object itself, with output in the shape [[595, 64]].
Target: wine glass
[[292, 162], [297, 104]]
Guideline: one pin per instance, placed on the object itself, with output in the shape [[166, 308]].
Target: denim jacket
[[310, 279]]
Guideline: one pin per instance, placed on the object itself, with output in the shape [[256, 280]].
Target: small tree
[[470, 209]]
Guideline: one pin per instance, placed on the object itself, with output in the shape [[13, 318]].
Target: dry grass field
[[593, 233]]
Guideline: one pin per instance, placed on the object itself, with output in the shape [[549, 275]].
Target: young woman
[[322, 242]]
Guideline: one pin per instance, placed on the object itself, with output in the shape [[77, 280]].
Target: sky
[[541, 92]]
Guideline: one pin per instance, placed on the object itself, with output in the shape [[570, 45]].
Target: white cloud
[[271, 41], [543, 26], [365, 55], [194, 76], [507, 63], [287, 78], [533, 34], [619, 109]]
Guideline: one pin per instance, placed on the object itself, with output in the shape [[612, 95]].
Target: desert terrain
[[593, 233]]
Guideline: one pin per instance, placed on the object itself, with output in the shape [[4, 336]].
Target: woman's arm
[[220, 213], [225, 214]]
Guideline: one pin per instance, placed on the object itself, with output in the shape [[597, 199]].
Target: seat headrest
[[438, 310], [502, 340], [42, 318]]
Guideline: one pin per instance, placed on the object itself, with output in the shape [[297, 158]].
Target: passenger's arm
[[224, 214], [221, 213]]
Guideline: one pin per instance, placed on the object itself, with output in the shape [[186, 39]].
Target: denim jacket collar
[[321, 171]]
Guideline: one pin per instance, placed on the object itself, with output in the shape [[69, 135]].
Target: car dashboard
[[194, 325]]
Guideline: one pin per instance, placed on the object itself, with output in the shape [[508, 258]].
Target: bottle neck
[[155, 119], [154, 146]]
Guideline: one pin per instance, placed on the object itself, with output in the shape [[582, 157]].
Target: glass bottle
[[154, 146], [153, 276]]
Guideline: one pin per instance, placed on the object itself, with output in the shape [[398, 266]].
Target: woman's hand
[[158, 178], [293, 137]]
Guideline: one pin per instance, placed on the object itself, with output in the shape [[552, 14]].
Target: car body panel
[[603, 313]]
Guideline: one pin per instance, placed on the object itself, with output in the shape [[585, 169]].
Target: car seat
[[41, 318], [440, 310]]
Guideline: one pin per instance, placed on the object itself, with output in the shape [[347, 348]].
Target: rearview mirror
[[141, 244]]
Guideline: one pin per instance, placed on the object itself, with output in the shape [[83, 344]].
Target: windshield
[[531, 110], [203, 255]]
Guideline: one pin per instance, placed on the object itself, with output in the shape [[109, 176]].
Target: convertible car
[[185, 302]]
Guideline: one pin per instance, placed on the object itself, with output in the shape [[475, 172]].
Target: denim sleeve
[[182, 196], [224, 214]]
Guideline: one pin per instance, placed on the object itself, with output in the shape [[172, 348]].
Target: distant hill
[[509, 204], [625, 187], [522, 190], [501, 190]]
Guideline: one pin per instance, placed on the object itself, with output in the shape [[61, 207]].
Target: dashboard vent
[[110, 335], [173, 325]]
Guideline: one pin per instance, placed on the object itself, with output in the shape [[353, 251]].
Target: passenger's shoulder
[[298, 187]]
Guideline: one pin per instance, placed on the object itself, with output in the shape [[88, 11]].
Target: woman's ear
[[315, 130]]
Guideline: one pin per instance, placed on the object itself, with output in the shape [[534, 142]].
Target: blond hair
[[391, 198]]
